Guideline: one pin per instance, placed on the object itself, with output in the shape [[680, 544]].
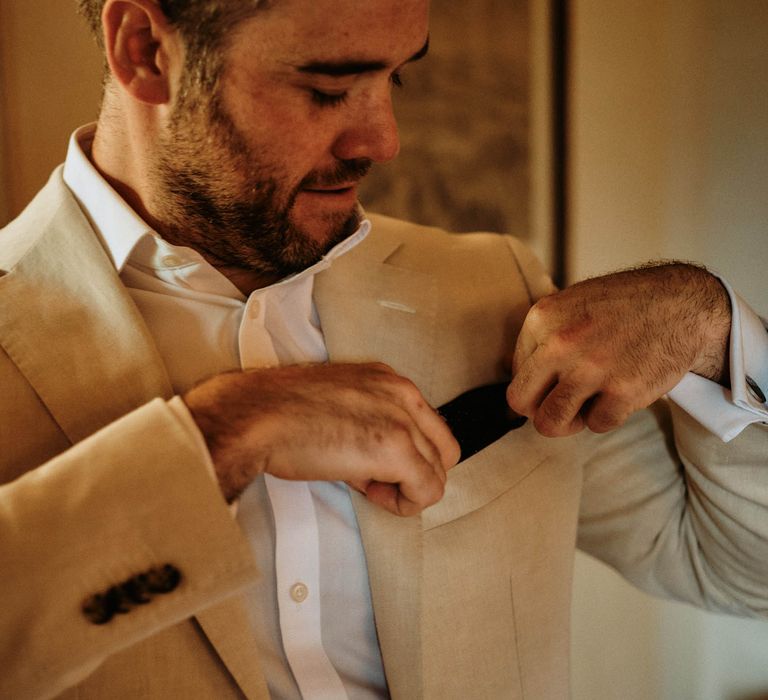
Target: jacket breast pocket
[[487, 475]]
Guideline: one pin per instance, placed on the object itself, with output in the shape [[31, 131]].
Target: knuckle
[[620, 390], [542, 306], [406, 387]]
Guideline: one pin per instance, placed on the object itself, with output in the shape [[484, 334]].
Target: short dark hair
[[204, 25]]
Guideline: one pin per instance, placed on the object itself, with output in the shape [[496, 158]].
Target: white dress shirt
[[311, 610]]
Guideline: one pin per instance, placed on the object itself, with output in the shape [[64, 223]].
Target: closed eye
[[327, 99], [332, 99]]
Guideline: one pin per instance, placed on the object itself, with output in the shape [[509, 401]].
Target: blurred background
[[604, 134]]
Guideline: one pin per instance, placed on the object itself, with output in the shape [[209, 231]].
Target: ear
[[142, 48]]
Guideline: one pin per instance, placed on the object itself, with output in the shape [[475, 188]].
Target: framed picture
[[476, 126]]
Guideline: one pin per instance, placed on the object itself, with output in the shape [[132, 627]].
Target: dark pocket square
[[479, 417]]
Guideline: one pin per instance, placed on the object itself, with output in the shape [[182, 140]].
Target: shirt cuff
[[726, 412]]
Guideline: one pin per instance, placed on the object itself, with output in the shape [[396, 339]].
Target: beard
[[217, 194]]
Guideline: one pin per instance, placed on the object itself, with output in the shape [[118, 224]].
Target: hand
[[362, 424], [596, 352]]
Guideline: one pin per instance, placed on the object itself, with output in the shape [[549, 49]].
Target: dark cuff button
[[164, 579], [99, 609], [755, 390], [137, 590]]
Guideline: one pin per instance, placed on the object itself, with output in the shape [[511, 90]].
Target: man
[[209, 225]]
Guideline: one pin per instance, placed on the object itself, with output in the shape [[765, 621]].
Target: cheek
[[286, 133]]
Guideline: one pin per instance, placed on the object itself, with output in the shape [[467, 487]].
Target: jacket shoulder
[[19, 235], [431, 249]]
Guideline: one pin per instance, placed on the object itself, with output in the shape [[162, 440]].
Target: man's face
[[263, 173]]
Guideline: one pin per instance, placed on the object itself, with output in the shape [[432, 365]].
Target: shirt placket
[[297, 542]]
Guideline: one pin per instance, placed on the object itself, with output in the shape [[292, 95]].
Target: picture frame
[[479, 127]]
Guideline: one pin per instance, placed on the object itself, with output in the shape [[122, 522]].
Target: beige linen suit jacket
[[471, 600]]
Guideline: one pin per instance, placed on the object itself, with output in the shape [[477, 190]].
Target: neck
[[121, 152]]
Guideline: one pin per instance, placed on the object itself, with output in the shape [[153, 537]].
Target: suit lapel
[[66, 320], [372, 310], [224, 625]]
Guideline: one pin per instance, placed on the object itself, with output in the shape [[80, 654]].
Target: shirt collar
[[119, 227], [126, 236]]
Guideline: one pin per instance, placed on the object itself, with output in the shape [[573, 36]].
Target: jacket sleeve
[[669, 505], [114, 539], [684, 517]]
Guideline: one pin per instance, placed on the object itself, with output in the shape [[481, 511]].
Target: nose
[[371, 133]]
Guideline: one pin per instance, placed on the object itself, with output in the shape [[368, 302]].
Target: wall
[[669, 158], [50, 83]]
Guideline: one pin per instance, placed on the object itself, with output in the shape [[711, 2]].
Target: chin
[[328, 230]]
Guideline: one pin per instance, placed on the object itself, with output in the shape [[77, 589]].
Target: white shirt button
[[172, 260], [254, 308], [299, 592]]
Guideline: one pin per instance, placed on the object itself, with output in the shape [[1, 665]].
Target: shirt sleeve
[[726, 412]]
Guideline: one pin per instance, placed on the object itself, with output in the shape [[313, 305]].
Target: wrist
[[227, 433], [712, 359]]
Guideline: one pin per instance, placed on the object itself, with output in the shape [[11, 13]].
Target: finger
[[533, 381], [606, 412], [377, 367], [408, 435], [559, 414], [389, 497], [525, 346], [429, 451], [416, 468], [361, 486], [406, 489], [431, 435], [435, 430]]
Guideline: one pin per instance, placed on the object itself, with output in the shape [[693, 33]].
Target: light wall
[[50, 82], [669, 136], [669, 159]]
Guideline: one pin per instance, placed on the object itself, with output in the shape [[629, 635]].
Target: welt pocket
[[484, 477]]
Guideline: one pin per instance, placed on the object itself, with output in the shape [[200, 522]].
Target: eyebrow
[[341, 68]]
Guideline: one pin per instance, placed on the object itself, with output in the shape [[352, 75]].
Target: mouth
[[344, 195], [332, 189]]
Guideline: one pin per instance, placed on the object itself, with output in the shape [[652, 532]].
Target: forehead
[[296, 30]]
